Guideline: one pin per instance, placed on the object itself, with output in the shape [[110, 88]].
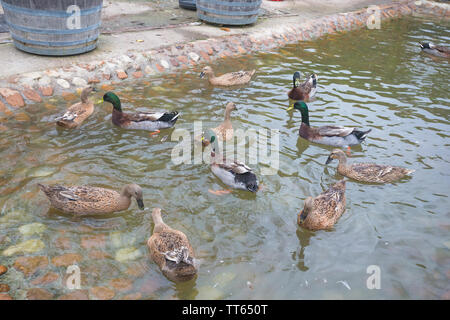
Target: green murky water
[[377, 79]]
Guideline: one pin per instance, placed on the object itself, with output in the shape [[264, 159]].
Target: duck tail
[[44, 188], [314, 79], [170, 117], [361, 135], [409, 171]]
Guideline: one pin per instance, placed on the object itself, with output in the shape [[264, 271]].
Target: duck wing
[[236, 167], [335, 131], [80, 193], [174, 246], [152, 116], [72, 112]]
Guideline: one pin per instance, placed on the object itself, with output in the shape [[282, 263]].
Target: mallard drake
[[367, 172], [439, 51], [171, 251], [78, 112], [336, 136], [227, 79], [323, 211], [233, 173], [151, 121], [303, 91], [86, 200]]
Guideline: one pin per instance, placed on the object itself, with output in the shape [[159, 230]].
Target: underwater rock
[[39, 294], [98, 254], [4, 296], [45, 279], [63, 243], [94, 241], [121, 284], [126, 254], [3, 270], [66, 260], [132, 296], [102, 293], [29, 246], [209, 293], [41, 172], [4, 287], [32, 228], [223, 279], [75, 295], [29, 265]]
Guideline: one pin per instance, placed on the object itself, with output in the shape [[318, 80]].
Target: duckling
[[227, 79], [367, 172], [151, 121], [439, 51], [171, 251], [78, 112], [87, 200], [323, 211], [336, 136], [233, 173], [303, 91]]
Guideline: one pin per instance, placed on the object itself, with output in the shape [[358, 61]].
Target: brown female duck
[[171, 251], [87, 200], [367, 172], [227, 79], [323, 211], [78, 112]]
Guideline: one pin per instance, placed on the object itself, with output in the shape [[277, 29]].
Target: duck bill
[[329, 160], [140, 204], [202, 74]]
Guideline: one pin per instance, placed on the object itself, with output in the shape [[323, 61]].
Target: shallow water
[[250, 246]]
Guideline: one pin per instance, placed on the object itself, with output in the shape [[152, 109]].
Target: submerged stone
[[223, 279], [32, 228], [29, 265], [209, 293], [126, 254], [29, 246]]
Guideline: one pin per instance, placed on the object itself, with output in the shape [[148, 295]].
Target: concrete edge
[[19, 90]]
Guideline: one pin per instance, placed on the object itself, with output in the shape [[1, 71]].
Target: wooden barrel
[[54, 27], [187, 4], [228, 12]]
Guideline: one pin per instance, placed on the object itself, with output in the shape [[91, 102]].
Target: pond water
[[250, 246]]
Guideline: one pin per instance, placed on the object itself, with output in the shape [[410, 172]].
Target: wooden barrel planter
[[188, 4], [228, 12], [54, 27]]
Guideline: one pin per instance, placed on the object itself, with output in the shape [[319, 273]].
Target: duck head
[[296, 79], [336, 154], [207, 71], [111, 97], [426, 45], [135, 191]]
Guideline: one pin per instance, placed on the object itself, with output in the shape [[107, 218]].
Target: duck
[[224, 131], [89, 200], [235, 174], [367, 172], [227, 79], [439, 51], [151, 121], [336, 136], [171, 251], [323, 211], [302, 91], [78, 112]]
